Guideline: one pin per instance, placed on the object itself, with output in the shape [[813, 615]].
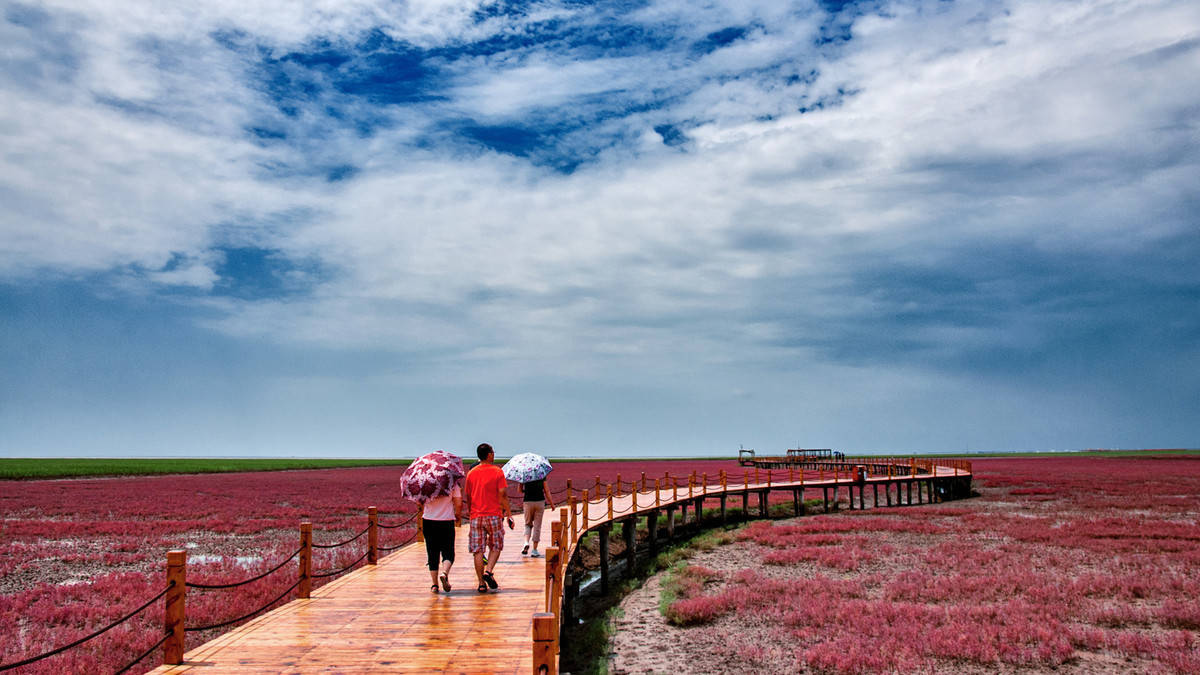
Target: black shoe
[[490, 580], [525, 551]]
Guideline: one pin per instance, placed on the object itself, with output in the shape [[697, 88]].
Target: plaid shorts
[[488, 532]]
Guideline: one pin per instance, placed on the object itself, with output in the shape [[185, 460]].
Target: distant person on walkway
[[439, 518], [536, 499], [487, 499]]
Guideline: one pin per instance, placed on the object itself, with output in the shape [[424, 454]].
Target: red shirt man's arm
[[502, 494]]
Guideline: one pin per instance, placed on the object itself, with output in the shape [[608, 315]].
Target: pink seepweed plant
[[77, 554], [1071, 564]]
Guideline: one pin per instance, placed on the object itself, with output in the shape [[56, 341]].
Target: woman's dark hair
[[483, 451]]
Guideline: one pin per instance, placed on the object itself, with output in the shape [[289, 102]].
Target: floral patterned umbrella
[[527, 467], [432, 475]]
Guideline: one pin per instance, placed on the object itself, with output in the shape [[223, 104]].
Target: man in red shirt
[[486, 493]]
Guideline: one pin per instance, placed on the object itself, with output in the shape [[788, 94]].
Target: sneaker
[[525, 551], [534, 554]]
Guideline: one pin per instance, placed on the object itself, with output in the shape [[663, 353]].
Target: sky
[[369, 228]]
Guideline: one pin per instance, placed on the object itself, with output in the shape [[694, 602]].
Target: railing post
[[791, 474], [610, 498], [584, 514], [768, 478], [675, 487], [174, 612], [724, 480], [635, 504], [372, 535], [657, 493], [556, 533], [569, 489], [574, 519], [691, 485], [564, 518], [554, 578], [643, 481], [545, 637], [305, 587], [705, 490], [618, 492]]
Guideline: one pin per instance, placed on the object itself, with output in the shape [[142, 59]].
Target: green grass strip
[[76, 467]]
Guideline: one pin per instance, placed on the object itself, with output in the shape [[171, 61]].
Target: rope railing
[[176, 588], [334, 573], [246, 581], [343, 543], [399, 524], [146, 653], [223, 624], [402, 544], [102, 631]]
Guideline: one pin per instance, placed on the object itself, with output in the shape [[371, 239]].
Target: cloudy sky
[[377, 227]]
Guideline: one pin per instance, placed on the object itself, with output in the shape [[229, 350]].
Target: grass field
[[25, 468], [18, 468], [72, 467]]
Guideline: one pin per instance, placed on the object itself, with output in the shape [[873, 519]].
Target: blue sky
[[598, 228]]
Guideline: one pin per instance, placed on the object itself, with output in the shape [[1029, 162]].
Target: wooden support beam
[[545, 644], [372, 535], [603, 544], [554, 568], [652, 531], [583, 513], [305, 587], [629, 529], [565, 522], [173, 608], [574, 524], [723, 514]]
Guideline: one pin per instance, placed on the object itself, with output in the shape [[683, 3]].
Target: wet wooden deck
[[383, 619]]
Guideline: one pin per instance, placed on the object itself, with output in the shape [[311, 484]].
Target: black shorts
[[439, 541]]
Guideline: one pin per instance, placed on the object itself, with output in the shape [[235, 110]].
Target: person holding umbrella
[[487, 498], [530, 471], [434, 481]]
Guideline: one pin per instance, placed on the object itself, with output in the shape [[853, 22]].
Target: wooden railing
[[174, 595], [596, 507]]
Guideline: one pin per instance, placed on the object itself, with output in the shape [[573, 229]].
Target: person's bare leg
[[479, 565], [493, 556]]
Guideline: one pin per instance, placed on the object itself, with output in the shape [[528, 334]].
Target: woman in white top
[[438, 520]]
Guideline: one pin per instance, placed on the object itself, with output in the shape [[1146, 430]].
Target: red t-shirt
[[483, 490]]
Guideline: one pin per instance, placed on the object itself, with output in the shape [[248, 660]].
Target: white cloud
[[629, 260]]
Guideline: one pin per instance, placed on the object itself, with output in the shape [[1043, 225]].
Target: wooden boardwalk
[[384, 619]]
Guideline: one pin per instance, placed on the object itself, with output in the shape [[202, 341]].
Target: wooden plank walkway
[[384, 619]]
